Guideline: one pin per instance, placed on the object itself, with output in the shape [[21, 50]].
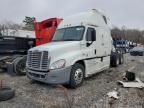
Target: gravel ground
[[92, 94]]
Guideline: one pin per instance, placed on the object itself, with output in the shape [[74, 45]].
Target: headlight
[[58, 64]]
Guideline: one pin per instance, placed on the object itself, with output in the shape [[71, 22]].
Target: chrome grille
[[38, 60]]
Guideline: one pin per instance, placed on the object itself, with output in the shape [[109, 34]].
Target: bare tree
[[6, 25], [133, 35]]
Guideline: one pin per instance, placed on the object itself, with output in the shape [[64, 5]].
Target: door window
[[91, 34]]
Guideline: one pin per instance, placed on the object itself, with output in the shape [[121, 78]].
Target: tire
[[6, 93], [77, 75], [121, 59], [20, 66], [115, 59]]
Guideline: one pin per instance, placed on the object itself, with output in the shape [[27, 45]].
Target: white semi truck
[[82, 46]]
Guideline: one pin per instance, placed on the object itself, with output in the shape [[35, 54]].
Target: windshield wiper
[[69, 40], [56, 40]]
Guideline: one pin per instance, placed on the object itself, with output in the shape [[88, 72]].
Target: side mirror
[[91, 39], [90, 36], [88, 43]]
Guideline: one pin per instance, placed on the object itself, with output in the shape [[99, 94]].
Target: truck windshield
[[69, 34]]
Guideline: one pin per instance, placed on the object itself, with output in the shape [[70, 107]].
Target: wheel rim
[[78, 76]]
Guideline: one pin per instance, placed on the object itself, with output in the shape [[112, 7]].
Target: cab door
[[90, 50]]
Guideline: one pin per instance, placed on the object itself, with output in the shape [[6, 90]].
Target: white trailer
[[81, 47]]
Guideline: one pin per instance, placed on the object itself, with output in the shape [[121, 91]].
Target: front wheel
[[77, 75]]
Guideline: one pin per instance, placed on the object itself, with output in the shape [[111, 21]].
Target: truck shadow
[[88, 79]]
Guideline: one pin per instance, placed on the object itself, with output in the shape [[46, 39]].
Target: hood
[[55, 45]]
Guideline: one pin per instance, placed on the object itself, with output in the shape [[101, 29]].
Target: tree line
[[27, 24], [133, 35]]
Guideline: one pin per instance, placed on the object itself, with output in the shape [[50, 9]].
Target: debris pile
[[131, 79], [113, 94]]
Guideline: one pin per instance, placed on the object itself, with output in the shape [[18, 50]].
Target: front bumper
[[57, 76]]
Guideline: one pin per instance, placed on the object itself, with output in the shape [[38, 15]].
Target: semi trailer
[[81, 46], [13, 48], [12, 53]]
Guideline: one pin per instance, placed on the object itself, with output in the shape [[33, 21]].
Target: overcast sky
[[121, 12]]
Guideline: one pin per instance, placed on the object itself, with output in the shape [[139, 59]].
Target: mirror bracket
[[89, 43]]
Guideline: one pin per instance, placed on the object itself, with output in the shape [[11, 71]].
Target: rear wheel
[[115, 60], [77, 75], [121, 59]]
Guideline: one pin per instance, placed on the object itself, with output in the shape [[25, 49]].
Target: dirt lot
[[92, 94]]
